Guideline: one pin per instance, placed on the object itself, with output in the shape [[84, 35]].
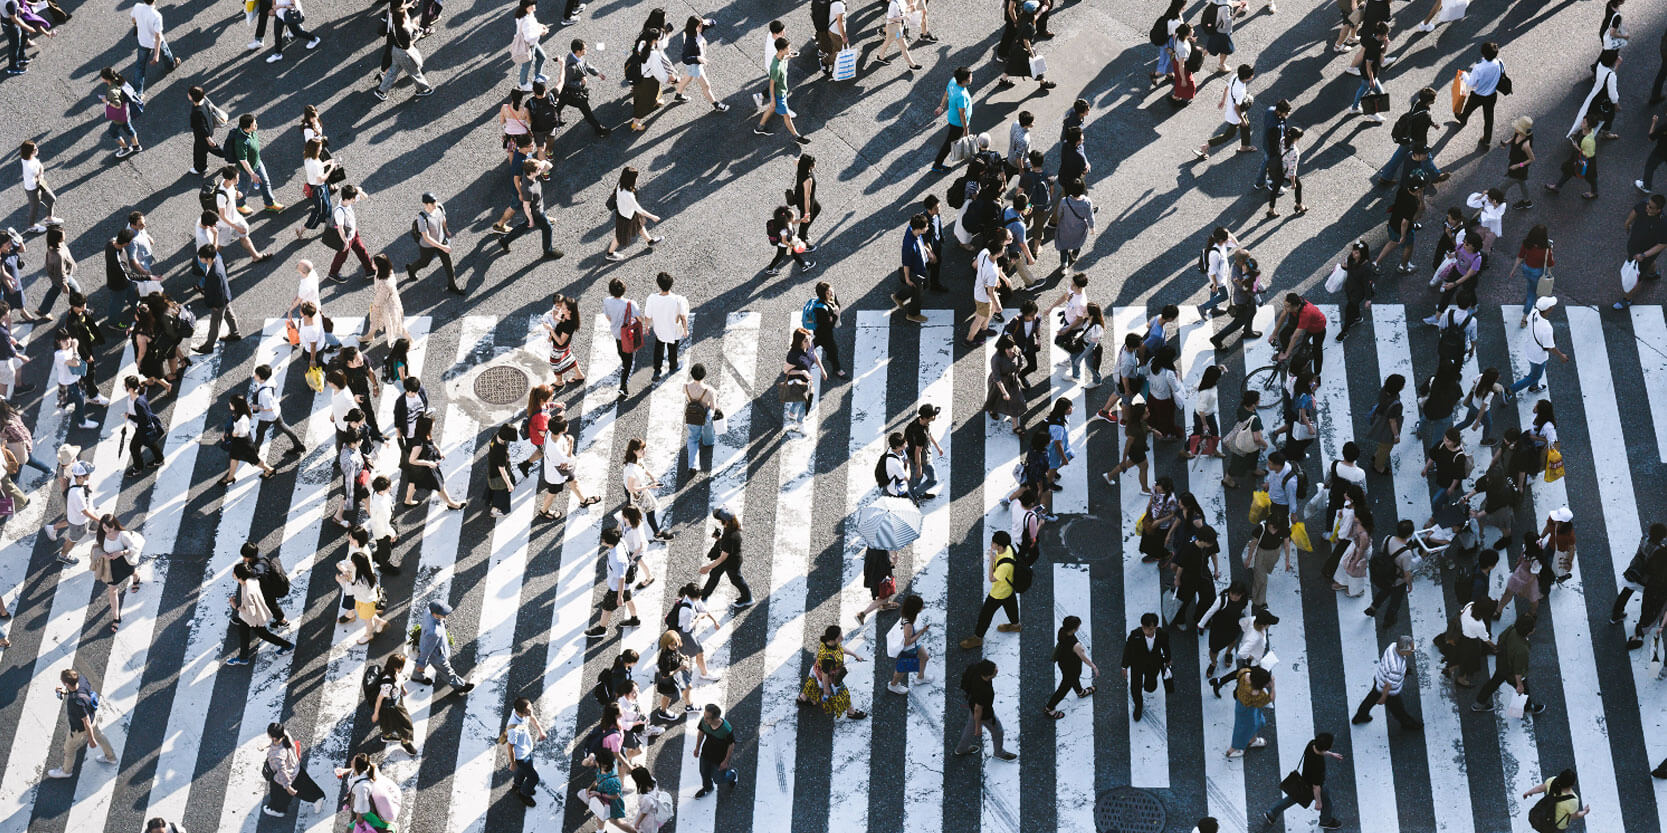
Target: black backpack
[[208, 193], [673, 615], [1022, 574], [1160, 31], [603, 691], [633, 68], [1543, 815], [1401, 131], [1204, 260], [957, 195], [371, 683], [1381, 568], [1452, 345], [821, 14], [1211, 14], [882, 478], [1302, 481], [280, 579]]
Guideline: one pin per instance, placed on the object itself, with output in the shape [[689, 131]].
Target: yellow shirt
[[1002, 587], [1566, 807]]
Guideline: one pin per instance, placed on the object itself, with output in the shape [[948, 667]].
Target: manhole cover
[[1129, 810], [502, 386], [1088, 538]]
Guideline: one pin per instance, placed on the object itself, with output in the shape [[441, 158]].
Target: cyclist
[[1300, 325]]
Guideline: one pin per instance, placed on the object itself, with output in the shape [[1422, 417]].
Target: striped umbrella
[[889, 523]]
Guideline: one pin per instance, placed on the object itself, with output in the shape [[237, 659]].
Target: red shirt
[[1535, 257], [538, 425], [1311, 319]]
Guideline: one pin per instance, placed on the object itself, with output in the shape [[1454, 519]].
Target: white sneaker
[[711, 678], [1639, 184], [252, 45], [897, 689], [99, 401], [526, 88], [1424, 27], [53, 221], [57, 773], [1272, 9], [51, 533], [1351, 70], [318, 806], [106, 759], [271, 812], [313, 44], [35, 229], [275, 57], [89, 423], [1375, 119], [1390, 61]]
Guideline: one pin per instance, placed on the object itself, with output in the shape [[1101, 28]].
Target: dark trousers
[[708, 768], [277, 426], [1069, 682], [1143, 680], [733, 570], [1196, 597], [1571, 169], [246, 634], [1387, 601], [539, 221], [1499, 678], [499, 499], [137, 445], [951, 133], [292, 21], [625, 361], [383, 553], [1660, 78], [987, 613], [572, 9], [306, 789], [1351, 315], [1392, 704], [320, 208], [909, 294], [14, 37], [1226, 132], [1651, 162], [830, 352], [525, 778], [1243, 316], [782, 254], [199, 154], [274, 602], [1485, 102], [661, 350], [581, 100], [1340, 546], [357, 247], [263, 10], [427, 256]]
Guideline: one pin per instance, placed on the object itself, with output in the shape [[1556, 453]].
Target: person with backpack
[[402, 38], [916, 267], [1390, 570], [1411, 132], [388, 710], [1146, 654], [1450, 463], [221, 197], [782, 228], [1235, 101], [81, 712], [1560, 806], [1650, 557], [1162, 30], [1268, 539], [519, 735], [1007, 577], [1384, 421], [270, 576], [344, 225], [370, 798], [251, 615], [1223, 620], [263, 399], [820, 315], [434, 648], [286, 778]]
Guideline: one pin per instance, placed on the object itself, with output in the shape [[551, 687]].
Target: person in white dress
[[387, 312]]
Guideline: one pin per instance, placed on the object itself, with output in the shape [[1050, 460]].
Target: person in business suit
[[1147, 655], [147, 429]]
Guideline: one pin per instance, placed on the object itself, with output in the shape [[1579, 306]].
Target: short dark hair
[[963, 76]]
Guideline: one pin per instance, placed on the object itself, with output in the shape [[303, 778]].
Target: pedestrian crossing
[[189, 731]]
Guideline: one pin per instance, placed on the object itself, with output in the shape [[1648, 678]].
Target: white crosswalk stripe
[[221, 773]]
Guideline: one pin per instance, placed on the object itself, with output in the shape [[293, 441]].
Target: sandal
[[856, 714], [644, 583], [862, 617], [226, 481], [343, 619], [590, 501], [1054, 714], [267, 475], [1087, 692], [114, 625]]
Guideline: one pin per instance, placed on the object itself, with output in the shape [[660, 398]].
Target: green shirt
[[1513, 653], [778, 76], [248, 150]]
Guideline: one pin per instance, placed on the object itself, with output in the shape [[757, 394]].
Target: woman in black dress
[[499, 482], [1222, 620], [239, 442], [802, 196], [422, 466], [116, 547], [1021, 53], [146, 351], [362, 381]]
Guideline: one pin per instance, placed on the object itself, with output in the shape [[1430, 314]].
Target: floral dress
[[839, 701], [387, 313]]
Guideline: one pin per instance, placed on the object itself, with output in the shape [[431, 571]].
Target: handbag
[[1546, 285], [1241, 440], [1334, 281], [630, 332], [894, 639], [887, 588], [845, 65], [292, 333], [1373, 103], [1198, 444], [102, 569], [793, 390], [333, 238], [1038, 66], [1140, 524], [1171, 606], [1268, 661], [720, 423], [1553, 466], [1299, 536]]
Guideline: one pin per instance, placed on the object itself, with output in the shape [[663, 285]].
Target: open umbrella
[[889, 523]]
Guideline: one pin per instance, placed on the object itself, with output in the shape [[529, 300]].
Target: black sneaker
[[803, 140], [762, 132], [1481, 707], [630, 623], [409, 747], [596, 633]]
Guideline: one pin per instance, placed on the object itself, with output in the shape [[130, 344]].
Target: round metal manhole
[[1129, 810], [502, 386], [1089, 539]]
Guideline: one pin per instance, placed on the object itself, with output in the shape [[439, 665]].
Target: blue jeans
[[1531, 279], [1247, 721], [1487, 422], [1431, 430], [1288, 802], [1535, 371], [138, 78], [1395, 167], [796, 413], [534, 67], [321, 206], [243, 183], [1365, 86], [14, 37], [77, 398], [122, 301], [1092, 354], [923, 482], [53, 291], [698, 435], [1217, 295]]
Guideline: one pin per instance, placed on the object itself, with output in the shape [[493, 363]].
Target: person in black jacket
[[269, 583], [1073, 164], [202, 131], [1274, 120], [725, 559], [217, 293], [1147, 655], [1308, 788], [1412, 130], [81, 326], [147, 429]]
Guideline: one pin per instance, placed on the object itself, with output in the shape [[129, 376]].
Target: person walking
[[81, 712], [575, 90], [1146, 654], [388, 710], [1235, 97], [433, 241], [700, 403], [825, 687], [239, 442], [1069, 654], [402, 37], [778, 93], [291, 17], [1561, 806], [1271, 536], [387, 312], [1252, 697], [270, 576], [286, 778], [617, 590], [153, 47], [434, 648], [976, 682], [631, 220], [1511, 667], [916, 258], [1483, 80], [1538, 348], [914, 655], [524, 48], [715, 750], [627, 325], [956, 107], [1307, 786], [40, 195], [695, 61], [1387, 683], [520, 732], [1582, 160], [344, 224], [724, 558], [251, 616], [115, 554], [263, 399], [666, 314], [820, 315], [1001, 595], [217, 294]]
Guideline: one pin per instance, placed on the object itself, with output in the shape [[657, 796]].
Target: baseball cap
[[430, 199], [439, 608], [80, 469]]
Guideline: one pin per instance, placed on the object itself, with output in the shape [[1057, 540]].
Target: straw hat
[[67, 454], [1523, 125]]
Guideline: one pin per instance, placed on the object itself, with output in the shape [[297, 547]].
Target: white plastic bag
[[894, 639], [1038, 66], [1517, 706], [1629, 275], [1334, 281], [845, 65], [1452, 10]]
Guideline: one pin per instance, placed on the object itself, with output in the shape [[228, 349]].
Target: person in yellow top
[[1583, 159], [1002, 596], [1564, 805]]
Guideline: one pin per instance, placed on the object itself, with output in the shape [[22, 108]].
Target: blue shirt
[[959, 100], [520, 738], [914, 254], [1282, 486], [1483, 78]]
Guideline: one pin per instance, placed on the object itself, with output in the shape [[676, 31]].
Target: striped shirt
[[1392, 670]]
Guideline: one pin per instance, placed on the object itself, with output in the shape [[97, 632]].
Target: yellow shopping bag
[[1140, 524], [1260, 504], [1553, 466], [315, 379], [1299, 536]]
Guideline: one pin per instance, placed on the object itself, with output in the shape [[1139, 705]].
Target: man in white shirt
[[1218, 268], [231, 224], [668, 316], [342, 402], [1235, 120], [434, 242], [1540, 344], [896, 466], [1387, 682], [79, 517], [346, 223], [831, 39], [263, 397], [153, 48], [380, 508], [986, 285], [41, 198], [1483, 81], [618, 592]]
